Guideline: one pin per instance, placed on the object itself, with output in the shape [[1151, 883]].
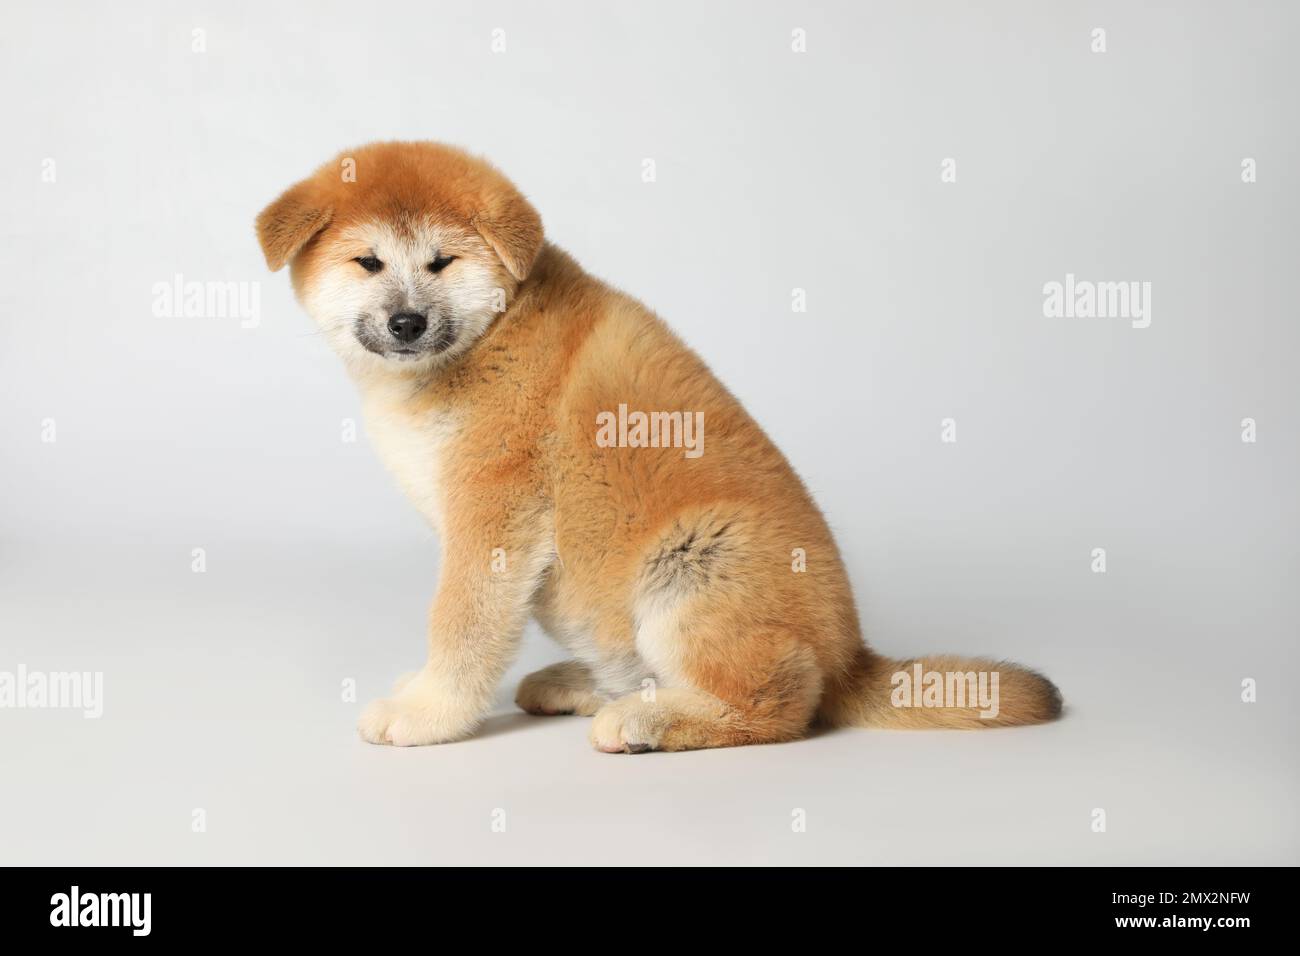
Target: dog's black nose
[[407, 326]]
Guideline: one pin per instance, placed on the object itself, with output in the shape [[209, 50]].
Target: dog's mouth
[[435, 342]]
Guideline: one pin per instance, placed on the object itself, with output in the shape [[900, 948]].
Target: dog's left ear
[[512, 227], [290, 222]]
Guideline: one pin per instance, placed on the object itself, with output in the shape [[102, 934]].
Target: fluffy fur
[[668, 577]]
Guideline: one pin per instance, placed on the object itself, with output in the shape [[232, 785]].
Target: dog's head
[[404, 253]]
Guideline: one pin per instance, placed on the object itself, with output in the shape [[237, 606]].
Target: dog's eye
[[369, 263], [440, 263]]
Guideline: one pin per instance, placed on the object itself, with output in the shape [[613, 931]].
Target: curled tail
[[933, 693]]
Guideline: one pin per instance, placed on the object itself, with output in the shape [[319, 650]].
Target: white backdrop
[[137, 149]]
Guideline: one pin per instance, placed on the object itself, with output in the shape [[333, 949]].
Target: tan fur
[[670, 578], [564, 688]]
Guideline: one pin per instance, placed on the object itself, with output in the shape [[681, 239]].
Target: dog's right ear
[[290, 222]]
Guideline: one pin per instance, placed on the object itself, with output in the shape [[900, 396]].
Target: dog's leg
[[563, 688], [681, 718], [771, 696], [475, 625]]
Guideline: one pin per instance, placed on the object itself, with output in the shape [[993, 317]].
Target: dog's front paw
[[416, 715]]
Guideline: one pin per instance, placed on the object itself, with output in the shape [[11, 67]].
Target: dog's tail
[[933, 693]]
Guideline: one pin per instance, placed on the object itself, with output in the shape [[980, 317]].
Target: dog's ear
[[511, 226], [290, 222]]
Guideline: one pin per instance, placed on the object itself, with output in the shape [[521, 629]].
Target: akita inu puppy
[[694, 581]]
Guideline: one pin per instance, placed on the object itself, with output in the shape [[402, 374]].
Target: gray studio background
[[776, 170]]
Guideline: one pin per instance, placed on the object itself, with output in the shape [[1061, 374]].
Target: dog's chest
[[415, 448]]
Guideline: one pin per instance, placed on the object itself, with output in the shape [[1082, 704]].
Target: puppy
[[553, 431]]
